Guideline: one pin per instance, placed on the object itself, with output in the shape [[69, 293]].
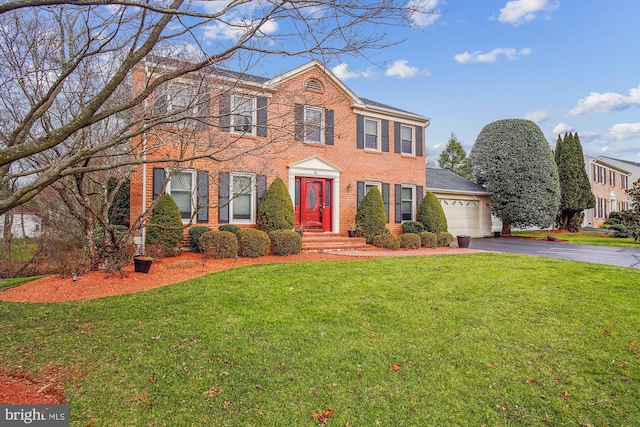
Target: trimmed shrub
[[253, 243], [165, 226], [410, 241], [194, 237], [428, 239], [387, 241], [218, 244], [445, 238], [230, 228], [276, 209], [414, 227], [371, 215], [431, 215], [285, 242]]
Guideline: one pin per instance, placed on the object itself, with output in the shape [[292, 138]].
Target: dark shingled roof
[[442, 179], [381, 105]]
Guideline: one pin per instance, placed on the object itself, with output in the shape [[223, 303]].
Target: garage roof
[[442, 179]]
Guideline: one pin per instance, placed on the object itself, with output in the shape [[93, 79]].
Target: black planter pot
[[496, 234], [463, 241], [142, 264], [352, 233]]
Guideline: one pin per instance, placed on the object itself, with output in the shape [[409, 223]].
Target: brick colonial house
[[305, 126], [609, 182]]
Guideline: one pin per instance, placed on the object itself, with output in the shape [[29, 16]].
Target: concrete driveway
[[620, 257]]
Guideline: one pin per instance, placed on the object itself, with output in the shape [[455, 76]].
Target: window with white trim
[[243, 197], [371, 134], [369, 185], [406, 139], [182, 187], [408, 202], [313, 125], [243, 114], [624, 182]]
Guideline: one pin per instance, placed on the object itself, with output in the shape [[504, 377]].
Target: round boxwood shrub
[[410, 241], [253, 243], [194, 236], [285, 242], [431, 215], [230, 228], [445, 238], [371, 215], [387, 241], [428, 239], [276, 209], [165, 226], [412, 227], [219, 244]]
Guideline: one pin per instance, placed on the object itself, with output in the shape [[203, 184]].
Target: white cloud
[[537, 116], [478, 56], [606, 102], [237, 28], [422, 12], [561, 128], [517, 12], [624, 131], [588, 136], [342, 72], [400, 68]]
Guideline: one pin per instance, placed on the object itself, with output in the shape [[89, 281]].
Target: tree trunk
[[8, 226], [506, 229]]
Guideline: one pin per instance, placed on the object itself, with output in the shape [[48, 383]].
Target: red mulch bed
[[20, 388]]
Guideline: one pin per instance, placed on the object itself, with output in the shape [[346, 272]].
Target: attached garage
[[466, 204]]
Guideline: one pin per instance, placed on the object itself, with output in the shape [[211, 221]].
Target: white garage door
[[463, 216]]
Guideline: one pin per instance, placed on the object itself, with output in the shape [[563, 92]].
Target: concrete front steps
[[329, 242]]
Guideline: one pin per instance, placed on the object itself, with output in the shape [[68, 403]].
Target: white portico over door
[[314, 187]]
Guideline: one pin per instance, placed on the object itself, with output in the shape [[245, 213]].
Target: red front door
[[314, 210]]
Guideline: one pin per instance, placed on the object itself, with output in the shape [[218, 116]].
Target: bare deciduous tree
[[65, 67]]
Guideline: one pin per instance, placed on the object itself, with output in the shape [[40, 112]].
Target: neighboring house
[[305, 126], [466, 204], [610, 178], [25, 223]]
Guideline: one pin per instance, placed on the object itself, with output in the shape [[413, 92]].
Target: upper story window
[[406, 139], [178, 99], [612, 178], [371, 134], [313, 125], [624, 182], [369, 185], [242, 114]]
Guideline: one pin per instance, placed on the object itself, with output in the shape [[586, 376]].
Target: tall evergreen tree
[[575, 188], [454, 158], [513, 161]]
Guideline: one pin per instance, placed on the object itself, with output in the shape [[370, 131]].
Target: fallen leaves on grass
[[632, 346], [215, 390], [323, 416], [395, 367]]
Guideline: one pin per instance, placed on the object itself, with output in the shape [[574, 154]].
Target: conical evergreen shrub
[[276, 209], [371, 215], [431, 214], [165, 226]]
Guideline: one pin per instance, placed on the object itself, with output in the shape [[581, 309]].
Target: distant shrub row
[[231, 241]]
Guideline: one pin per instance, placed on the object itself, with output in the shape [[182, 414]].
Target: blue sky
[[568, 65]]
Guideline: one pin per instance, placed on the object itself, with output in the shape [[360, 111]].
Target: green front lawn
[[582, 237], [482, 339]]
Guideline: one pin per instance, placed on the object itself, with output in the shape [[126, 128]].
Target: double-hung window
[[243, 195], [408, 205], [369, 185], [371, 134], [406, 139], [313, 125], [181, 187], [242, 114]]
